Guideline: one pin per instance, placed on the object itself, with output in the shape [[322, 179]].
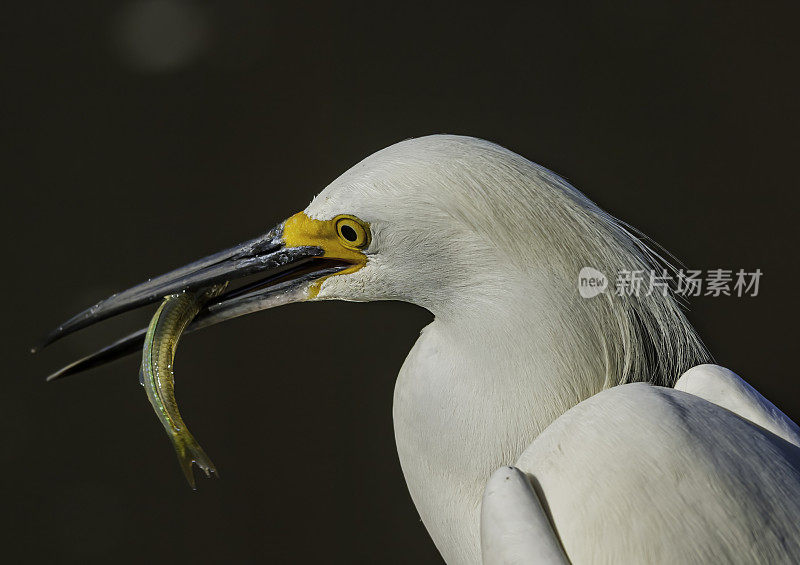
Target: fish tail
[[189, 451]]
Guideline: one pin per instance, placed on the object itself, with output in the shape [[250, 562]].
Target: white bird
[[532, 424]]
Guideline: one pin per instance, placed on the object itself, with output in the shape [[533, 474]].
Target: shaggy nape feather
[[557, 229]]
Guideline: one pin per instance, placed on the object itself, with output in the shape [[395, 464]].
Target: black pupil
[[349, 233]]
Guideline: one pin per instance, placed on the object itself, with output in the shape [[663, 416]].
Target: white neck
[[477, 388]]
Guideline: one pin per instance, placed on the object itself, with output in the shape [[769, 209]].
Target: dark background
[[139, 136]]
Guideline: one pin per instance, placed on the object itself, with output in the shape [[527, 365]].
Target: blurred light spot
[[160, 35]]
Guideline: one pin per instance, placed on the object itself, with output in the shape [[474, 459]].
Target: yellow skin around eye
[[300, 230]]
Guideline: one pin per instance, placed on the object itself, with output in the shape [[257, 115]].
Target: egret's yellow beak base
[[342, 238]]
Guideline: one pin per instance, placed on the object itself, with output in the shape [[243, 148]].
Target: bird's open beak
[[284, 265]]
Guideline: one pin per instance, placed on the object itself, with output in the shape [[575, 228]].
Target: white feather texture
[[647, 474], [492, 245]]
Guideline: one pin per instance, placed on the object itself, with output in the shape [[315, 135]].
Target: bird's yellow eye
[[353, 233]]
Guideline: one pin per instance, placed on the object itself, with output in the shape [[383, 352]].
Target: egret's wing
[[514, 526], [631, 459], [646, 474], [725, 388]]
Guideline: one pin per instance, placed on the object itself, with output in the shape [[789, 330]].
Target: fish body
[[157, 377]]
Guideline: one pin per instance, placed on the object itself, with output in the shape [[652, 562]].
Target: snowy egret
[[532, 424]]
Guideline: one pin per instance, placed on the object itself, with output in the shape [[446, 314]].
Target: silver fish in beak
[[158, 379]]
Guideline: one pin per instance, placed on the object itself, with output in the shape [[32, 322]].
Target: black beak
[[286, 274]]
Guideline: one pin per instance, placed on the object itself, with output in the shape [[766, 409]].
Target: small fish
[[158, 380]]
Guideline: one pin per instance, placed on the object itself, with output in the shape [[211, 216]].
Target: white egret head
[[478, 235], [488, 241]]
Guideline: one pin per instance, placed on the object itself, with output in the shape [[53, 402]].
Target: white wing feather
[[727, 389], [514, 526], [708, 472]]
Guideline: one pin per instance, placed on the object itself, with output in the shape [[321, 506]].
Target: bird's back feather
[[641, 473]]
